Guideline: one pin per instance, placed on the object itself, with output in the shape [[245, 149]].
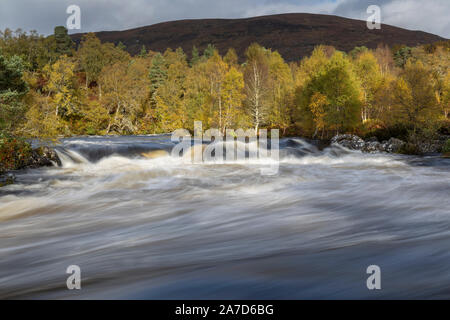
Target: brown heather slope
[[294, 35]]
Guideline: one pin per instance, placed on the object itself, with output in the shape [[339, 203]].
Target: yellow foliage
[[317, 106]]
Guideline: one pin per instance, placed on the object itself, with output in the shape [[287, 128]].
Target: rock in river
[[372, 145]]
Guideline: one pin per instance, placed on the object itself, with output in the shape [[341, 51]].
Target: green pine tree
[[143, 52], [195, 56], [64, 43], [209, 51], [158, 75], [121, 46], [12, 89]]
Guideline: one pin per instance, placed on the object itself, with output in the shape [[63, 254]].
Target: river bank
[[17, 154]]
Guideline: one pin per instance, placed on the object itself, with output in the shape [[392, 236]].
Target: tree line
[[49, 87]]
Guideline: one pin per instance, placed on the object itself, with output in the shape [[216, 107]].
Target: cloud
[[430, 16], [101, 15]]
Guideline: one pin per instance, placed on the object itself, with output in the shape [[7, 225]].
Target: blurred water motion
[[157, 227]]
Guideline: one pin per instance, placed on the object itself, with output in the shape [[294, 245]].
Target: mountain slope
[[293, 35]]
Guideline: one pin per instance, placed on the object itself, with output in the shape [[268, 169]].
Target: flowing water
[[162, 227]]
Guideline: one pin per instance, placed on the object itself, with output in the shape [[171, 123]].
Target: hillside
[[293, 35]]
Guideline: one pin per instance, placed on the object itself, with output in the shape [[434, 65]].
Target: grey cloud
[[430, 16]]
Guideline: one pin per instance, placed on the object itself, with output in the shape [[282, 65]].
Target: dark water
[[166, 228]]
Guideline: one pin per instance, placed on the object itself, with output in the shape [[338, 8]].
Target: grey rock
[[349, 141], [372, 145], [393, 145], [43, 157]]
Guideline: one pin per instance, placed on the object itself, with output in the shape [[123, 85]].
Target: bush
[[14, 153], [446, 147], [368, 128], [399, 131], [444, 127], [409, 148]]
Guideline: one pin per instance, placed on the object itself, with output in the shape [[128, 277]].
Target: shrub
[[399, 131], [409, 148], [370, 127], [14, 153], [444, 127], [446, 147]]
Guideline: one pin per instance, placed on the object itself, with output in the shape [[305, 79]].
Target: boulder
[[349, 141], [43, 157], [372, 145], [435, 145], [393, 145]]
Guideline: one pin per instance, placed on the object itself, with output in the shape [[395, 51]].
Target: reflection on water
[[164, 228]]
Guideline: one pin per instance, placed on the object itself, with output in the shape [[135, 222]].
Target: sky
[[100, 15]]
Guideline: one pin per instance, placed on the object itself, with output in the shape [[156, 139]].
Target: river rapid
[[164, 228]]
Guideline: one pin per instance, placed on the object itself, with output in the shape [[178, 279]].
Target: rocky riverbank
[[35, 158], [393, 145]]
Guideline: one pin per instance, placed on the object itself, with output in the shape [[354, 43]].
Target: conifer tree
[[143, 52], [12, 90], [64, 43], [158, 75], [195, 57]]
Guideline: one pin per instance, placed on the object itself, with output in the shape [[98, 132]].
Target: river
[[163, 228]]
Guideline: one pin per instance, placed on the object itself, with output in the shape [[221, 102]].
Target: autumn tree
[[308, 68], [413, 95], [281, 92], [169, 96], [91, 57], [437, 59], [62, 87], [368, 72], [94, 56], [35, 50], [318, 105], [338, 85], [357, 51], [198, 97], [216, 70], [232, 96], [385, 60], [125, 85], [445, 100], [231, 58], [256, 75]]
